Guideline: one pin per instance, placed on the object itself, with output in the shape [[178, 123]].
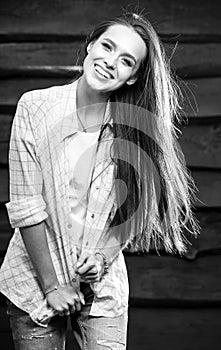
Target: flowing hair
[[145, 150]]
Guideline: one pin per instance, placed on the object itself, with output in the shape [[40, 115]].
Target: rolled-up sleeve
[[26, 206]]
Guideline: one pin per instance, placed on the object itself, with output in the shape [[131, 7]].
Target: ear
[[90, 46], [131, 81]]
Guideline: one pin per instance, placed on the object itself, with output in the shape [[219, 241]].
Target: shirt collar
[[69, 123]]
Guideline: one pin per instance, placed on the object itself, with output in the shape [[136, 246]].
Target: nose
[[111, 61]]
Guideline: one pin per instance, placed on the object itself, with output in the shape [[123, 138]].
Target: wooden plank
[[12, 89], [167, 280], [160, 328], [173, 281], [204, 90], [174, 328], [4, 195], [189, 59], [5, 122], [207, 182], [4, 241], [209, 188], [14, 55], [209, 240], [70, 17], [4, 148], [194, 60], [201, 144], [207, 243], [201, 151], [201, 97]]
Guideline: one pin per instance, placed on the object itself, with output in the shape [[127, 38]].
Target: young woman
[[94, 167]]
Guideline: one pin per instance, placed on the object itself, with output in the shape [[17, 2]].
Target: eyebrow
[[126, 53]]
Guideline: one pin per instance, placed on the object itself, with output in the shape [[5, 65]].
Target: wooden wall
[[175, 302]]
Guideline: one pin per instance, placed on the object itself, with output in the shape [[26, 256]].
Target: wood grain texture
[[188, 59], [207, 182], [155, 329], [200, 142], [15, 55], [174, 328], [6, 231], [201, 97], [172, 281], [74, 17], [207, 243], [6, 123], [194, 60], [12, 89], [168, 280]]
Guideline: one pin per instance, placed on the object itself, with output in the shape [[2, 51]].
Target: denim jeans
[[91, 333]]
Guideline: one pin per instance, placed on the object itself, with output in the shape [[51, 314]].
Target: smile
[[103, 73]]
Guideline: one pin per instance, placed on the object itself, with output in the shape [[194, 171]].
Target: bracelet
[[51, 290], [106, 267]]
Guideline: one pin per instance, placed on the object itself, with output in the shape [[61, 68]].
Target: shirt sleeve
[[26, 206]]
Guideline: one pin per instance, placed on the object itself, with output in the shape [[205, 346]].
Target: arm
[[59, 298], [92, 266], [35, 240], [26, 208]]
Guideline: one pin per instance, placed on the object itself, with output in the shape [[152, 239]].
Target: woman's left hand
[[90, 267]]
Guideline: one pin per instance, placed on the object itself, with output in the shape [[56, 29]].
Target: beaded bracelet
[[106, 267], [51, 290]]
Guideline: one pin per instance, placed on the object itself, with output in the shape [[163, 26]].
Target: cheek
[[87, 63], [124, 73]]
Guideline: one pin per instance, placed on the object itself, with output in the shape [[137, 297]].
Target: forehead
[[126, 40]]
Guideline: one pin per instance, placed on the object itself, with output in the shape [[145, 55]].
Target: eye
[[127, 62], [106, 46]]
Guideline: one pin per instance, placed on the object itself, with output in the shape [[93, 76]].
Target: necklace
[[82, 125]]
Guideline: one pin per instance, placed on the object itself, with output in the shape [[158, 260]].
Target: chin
[[96, 85]]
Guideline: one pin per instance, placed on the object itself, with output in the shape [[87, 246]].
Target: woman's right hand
[[65, 300]]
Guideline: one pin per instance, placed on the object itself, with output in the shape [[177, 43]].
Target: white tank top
[[81, 154]]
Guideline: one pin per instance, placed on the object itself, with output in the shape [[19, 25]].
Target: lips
[[103, 72]]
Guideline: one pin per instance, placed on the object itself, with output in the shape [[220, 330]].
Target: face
[[113, 59]]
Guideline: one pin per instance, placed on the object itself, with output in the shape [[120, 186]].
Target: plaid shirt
[[39, 190]]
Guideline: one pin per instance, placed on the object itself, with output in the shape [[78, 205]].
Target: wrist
[[105, 262], [51, 289]]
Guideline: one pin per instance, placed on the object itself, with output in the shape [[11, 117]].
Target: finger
[[91, 279], [92, 272], [87, 267], [71, 302], [82, 260], [78, 306], [72, 309], [81, 297], [61, 312]]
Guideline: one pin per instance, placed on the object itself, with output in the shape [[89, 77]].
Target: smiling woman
[[113, 59], [94, 167]]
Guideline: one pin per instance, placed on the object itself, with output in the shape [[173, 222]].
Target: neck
[[91, 106], [88, 97]]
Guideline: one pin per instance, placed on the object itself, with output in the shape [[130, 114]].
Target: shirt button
[[69, 226]]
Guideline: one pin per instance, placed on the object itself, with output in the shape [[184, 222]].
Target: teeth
[[102, 72]]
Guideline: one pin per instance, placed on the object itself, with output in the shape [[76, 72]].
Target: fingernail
[[82, 300]]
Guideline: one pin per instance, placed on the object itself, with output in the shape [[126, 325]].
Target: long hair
[[148, 158]]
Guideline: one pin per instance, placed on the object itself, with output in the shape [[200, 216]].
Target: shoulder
[[50, 95]]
